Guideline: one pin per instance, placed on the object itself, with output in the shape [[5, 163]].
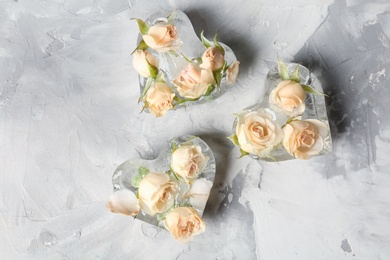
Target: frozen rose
[[157, 193], [159, 99], [304, 139], [199, 193], [192, 82], [162, 37], [140, 63], [288, 97], [124, 202], [232, 73], [212, 59], [188, 161], [256, 132], [184, 223]]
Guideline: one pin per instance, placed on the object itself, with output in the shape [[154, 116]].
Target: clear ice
[[191, 47]]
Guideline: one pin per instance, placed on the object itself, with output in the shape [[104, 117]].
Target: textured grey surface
[[69, 116]]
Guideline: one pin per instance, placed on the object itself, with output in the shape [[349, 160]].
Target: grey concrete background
[[69, 116]]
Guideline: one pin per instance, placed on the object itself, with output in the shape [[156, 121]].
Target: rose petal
[[158, 32], [199, 193], [232, 73], [323, 129], [124, 202], [207, 77]]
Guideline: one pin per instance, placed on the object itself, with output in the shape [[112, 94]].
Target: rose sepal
[[217, 74], [142, 26], [141, 47], [295, 75], [283, 70], [147, 86], [153, 70], [311, 90], [205, 42], [218, 45], [193, 60]]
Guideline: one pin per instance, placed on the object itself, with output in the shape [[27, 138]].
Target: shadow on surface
[[202, 20]]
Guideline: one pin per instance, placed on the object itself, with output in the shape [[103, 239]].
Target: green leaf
[[173, 173], [183, 100], [146, 105], [160, 78], [205, 42], [196, 60], [142, 171], [289, 120], [174, 146], [283, 70], [225, 67], [141, 46], [188, 59], [176, 177], [234, 139], [243, 153], [295, 75], [135, 181], [273, 159], [143, 27], [311, 90], [160, 217], [171, 16], [172, 52], [218, 45], [185, 203], [210, 89], [147, 86]]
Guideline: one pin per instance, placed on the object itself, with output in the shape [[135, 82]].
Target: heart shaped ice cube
[[280, 127], [178, 69], [182, 157]]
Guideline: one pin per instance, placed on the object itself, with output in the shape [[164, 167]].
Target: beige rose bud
[[232, 73], [188, 161], [162, 37], [184, 223], [288, 97], [212, 59], [140, 63], [124, 202], [159, 99], [157, 193], [192, 82], [199, 193], [256, 132], [304, 139]]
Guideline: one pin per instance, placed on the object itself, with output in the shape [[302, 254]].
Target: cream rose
[[212, 59], [124, 202], [256, 132], [232, 73], [304, 139], [157, 193], [159, 99], [192, 82], [140, 63], [288, 97], [183, 223], [162, 37], [188, 161]]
